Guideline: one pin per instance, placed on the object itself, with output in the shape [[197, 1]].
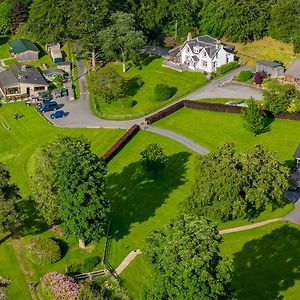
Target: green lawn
[[211, 129], [266, 262], [152, 72], [4, 47]]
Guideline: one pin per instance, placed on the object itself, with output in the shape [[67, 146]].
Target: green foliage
[[5, 8], [107, 84], [10, 216], [253, 119], [59, 81], [154, 158], [241, 20], [187, 263], [163, 92], [244, 76], [121, 39], [285, 22], [18, 15], [294, 106], [229, 186], [278, 97], [87, 265], [43, 251], [227, 67]]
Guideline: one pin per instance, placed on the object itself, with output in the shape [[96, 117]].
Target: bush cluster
[[42, 251], [163, 92], [116, 148], [227, 67], [59, 286], [244, 76], [86, 266]]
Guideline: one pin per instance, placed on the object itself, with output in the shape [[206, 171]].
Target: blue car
[[49, 106], [47, 97], [58, 114]]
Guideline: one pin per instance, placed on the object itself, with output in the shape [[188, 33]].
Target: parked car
[[58, 114], [47, 97], [58, 93], [49, 106], [34, 101]]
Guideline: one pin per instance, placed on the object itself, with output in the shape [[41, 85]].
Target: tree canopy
[[229, 186], [187, 263]]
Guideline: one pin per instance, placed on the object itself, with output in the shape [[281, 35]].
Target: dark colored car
[[47, 97], [58, 114], [49, 106]]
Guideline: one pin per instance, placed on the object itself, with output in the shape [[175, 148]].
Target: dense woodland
[[159, 20]]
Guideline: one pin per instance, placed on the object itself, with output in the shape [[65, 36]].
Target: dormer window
[[196, 49], [204, 54]]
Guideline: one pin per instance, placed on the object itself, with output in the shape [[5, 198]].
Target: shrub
[[163, 92], [244, 76], [294, 106], [227, 67], [260, 76], [60, 286], [154, 158], [42, 251], [4, 283]]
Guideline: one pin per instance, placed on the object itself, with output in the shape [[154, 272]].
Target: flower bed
[[43, 251], [60, 286]]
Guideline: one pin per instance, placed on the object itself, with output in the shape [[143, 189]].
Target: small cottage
[[55, 52], [271, 68], [292, 74], [24, 50]]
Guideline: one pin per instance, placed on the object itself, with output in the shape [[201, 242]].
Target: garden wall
[[120, 144]]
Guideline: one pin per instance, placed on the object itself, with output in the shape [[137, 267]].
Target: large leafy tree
[[18, 15], [278, 97], [237, 20], [10, 216], [285, 22], [47, 21], [230, 186], [69, 188], [86, 19], [5, 8], [121, 39], [187, 262]]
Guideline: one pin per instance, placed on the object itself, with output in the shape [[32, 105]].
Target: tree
[[121, 39], [229, 186], [10, 217], [47, 21], [107, 84], [5, 8], [187, 263], [59, 81], [278, 97], [154, 158], [18, 15], [253, 119], [72, 179]]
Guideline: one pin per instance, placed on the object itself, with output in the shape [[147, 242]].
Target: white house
[[202, 53]]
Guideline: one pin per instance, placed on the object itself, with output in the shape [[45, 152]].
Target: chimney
[[23, 68], [189, 37]]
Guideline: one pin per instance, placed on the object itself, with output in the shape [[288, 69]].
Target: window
[[12, 90], [204, 54], [39, 88], [196, 49], [227, 59], [215, 65], [204, 63]]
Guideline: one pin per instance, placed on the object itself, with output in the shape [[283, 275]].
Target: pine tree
[[18, 15]]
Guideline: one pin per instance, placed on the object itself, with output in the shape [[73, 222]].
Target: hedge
[[43, 251], [165, 112], [227, 67], [119, 145], [213, 107], [244, 76]]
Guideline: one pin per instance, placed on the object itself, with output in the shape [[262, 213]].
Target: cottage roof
[[21, 45], [21, 74], [195, 58], [297, 152], [269, 63], [293, 70]]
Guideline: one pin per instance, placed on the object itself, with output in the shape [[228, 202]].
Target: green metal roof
[[20, 46]]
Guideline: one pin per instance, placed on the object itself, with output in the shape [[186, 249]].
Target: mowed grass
[[266, 262], [266, 48], [211, 129], [151, 73]]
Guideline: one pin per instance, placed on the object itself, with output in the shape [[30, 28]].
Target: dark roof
[[20, 46], [175, 51], [269, 63], [195, 58], [297, 152], [293, 70], [19, 74], [53, 71]]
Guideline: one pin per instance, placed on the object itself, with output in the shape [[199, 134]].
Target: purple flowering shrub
[[60, 286], [43, 251]]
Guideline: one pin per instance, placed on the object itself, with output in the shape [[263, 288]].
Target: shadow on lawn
[[268, 265], [135, 195]]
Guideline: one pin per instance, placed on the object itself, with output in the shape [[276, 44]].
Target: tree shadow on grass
[[133, 85], [267, 266], [135, 194], [4, 40]]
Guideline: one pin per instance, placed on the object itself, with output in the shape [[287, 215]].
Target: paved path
[[179, 138], [293, 216], [127, 260]]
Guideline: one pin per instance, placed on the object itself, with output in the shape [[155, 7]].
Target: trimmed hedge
[[227, 67], [165, 112], [119, 145], [288, 116], [214, 107], [244, 76], [43, 251]]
